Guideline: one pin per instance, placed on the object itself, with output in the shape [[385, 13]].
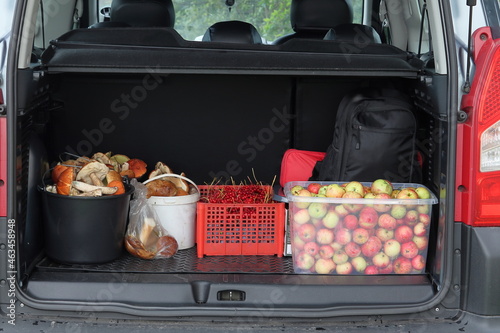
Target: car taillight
[[478, 170]]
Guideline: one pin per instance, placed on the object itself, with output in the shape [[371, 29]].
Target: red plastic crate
[[239, 229]]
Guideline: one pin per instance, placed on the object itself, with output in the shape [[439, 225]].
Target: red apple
[[324, 266], [306, 232], [301, 216], [311, 248], [350, 222], [371, 270], [304, 261], [386, 270], [313, 188], [371, 247], [421, 242], [407, 193], [334, 191], [383, 207], [402, 265], [368, 218], [352, 249], [344, 269], [340, 257], [381, 260], [360, 235], [381, 186], [403, 234], [297, 243], [425, 219], [411, 217], [324, 236], [418, 262], [409, 250], [384, 234], [420, 229], [340, 210], [352, 207], [337, 246], [326, 251], [370, 195], [387, 221], [303, 204], [343, 236]]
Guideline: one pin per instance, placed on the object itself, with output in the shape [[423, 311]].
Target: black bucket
[[85, 230]]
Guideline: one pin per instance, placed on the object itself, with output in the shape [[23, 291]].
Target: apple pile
[[349, 237]]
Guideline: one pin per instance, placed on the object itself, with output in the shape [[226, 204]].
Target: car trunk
[[211, 113]]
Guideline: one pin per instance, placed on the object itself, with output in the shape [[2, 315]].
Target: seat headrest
[[356, 33], [319, 14], [143, 13], [232, 32]]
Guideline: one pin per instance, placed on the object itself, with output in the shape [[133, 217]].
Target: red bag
[[298, 165]]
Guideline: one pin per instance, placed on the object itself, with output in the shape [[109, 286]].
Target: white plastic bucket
[[178, 213]]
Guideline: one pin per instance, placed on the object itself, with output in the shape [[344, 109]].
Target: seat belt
[[77, 13]]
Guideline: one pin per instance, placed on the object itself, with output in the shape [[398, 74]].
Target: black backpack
[[374, 137]]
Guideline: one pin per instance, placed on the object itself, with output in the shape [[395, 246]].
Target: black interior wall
[[207, 126]]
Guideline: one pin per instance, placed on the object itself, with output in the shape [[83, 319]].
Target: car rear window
[[271, 18]]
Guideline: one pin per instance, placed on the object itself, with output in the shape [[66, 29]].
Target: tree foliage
[[270, 17]]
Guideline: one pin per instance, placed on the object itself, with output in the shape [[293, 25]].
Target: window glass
[[270, 17], [7, 9]]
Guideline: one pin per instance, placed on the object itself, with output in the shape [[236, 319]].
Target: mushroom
[[65, 181], [57, 171], [85, 187], [101, 157], [93, 173], [160, 169], [94, 193], [161, 188], [112, 176], [137, 249], [138, 166], [127, 173], [179, 183]]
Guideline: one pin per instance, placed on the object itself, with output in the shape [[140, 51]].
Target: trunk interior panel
[[219, 124]]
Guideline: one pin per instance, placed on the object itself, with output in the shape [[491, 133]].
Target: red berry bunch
[[242, 194]]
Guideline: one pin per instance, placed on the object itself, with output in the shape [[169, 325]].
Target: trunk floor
[[184, 261]]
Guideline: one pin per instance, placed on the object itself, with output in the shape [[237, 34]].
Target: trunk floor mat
[[184, 261]]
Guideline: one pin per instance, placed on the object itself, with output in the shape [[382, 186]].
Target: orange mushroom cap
[[138, 166], [65, 180]]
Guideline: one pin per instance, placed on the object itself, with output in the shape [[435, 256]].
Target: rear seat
[[140, 13], [312, 19], [355, 33], [232, 32]]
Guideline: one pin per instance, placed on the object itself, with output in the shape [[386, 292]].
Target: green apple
[[355, 186], [423, 193], [381, 186], [334, 191], [317, 210]]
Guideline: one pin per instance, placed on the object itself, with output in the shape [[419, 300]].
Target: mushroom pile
[[167, 186], [96, 176]]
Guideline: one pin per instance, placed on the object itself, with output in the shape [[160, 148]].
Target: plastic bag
[[146, 238]]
